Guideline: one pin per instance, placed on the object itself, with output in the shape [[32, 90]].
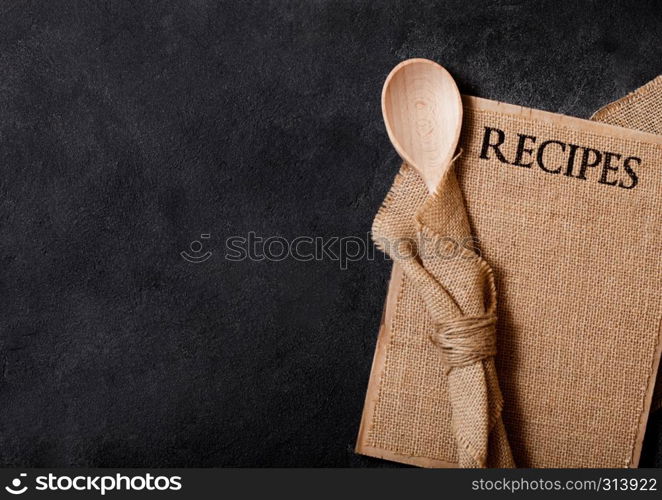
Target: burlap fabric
[[640, 110], [574, 244], [428, 236]]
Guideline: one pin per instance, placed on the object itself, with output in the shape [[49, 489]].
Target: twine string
[[466, 340]]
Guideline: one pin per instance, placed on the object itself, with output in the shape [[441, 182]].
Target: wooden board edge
[[480, 104], [379, 358], [428, 463], [378, 361], [648, 401]]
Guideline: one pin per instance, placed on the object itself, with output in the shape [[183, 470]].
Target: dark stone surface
[[128, 129]]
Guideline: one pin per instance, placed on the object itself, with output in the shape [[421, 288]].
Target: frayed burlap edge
[[616, 107]]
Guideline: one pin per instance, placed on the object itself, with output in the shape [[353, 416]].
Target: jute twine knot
[[466, 340]]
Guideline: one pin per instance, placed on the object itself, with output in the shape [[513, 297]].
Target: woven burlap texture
[[428, 235], [640, 110], [578, 276]]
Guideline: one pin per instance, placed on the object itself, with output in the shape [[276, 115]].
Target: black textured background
[[127, 129]]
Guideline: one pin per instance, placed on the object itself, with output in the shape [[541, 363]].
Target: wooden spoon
[[422, 112]]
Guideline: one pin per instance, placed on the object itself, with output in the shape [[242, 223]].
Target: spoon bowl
[[422, 111]]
